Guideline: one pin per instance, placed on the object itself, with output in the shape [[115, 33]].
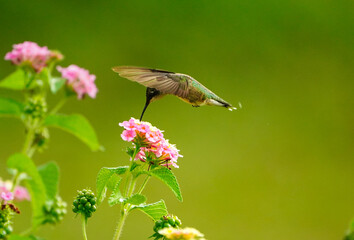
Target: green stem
[[15, 181], [28, 141], [84, 226], [128, 191], [132, 187], [144, 184], [27, 150], [59, 105], [121, 222]]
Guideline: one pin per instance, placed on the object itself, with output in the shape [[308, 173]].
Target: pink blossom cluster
[[81, 81], [19, 194], [153, 145], [29, 53], [181, 234]]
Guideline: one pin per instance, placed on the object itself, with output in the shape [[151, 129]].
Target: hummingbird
[[161, 82]]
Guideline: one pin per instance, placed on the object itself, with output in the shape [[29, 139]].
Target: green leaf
[[136, 199], [18, 237], [116, 196], [77, 125], [153, 210], [167, 176], [56, 83], [15, 81], [103, 179], [43, 76], [10, 108], [34, 183], [50, 177]]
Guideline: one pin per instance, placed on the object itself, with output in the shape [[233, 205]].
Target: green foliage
[[350, 232], [15, 81], [116, 196], [167, 177], [56, 83], [154, 210], [10, 108], [19, 237], [136, 199], [77, 125], [34, 183], [50, 176], [103, 179]]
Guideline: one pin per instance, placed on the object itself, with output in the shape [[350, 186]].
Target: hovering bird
[[161, 82]]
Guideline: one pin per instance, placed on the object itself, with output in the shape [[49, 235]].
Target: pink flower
[[128, 135], [7, 196], [19, 194], [153, 146], [130, 125], [29, 53], [81, 81]]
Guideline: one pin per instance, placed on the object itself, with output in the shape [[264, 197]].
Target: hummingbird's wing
[[164, 81]]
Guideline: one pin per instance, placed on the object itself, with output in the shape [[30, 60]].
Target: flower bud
[[169, 221], [54, 211], [36, 107], [6, 213], [84, 203]]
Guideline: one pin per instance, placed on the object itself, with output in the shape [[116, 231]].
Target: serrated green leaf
[[136, 199], [167, 177], [56, 83], [50, 176], [34, 183], [77, 125], [10, 108], [116, 196], [103, 179], [113, 181], [15, 81], [153, 210]]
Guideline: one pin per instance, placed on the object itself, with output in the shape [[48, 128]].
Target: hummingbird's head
[[152, 94]]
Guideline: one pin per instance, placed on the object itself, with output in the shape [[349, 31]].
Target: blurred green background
[[280, 168]]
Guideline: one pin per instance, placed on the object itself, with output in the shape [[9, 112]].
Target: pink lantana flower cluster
[[181, 234], [19, 194], [29, 53], [153, 147], [80, 80]]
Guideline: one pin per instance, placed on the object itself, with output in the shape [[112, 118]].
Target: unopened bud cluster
[[54, 210], [36, 107], [6, 212], [85, 203], [166, 222]]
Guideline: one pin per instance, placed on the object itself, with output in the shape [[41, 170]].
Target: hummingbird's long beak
[[146, 105]]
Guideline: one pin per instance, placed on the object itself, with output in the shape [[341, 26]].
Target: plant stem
[[27, 150], [15, 181], [121, 222], [59, 105], [84, 226], [128, 192], [29, 140], [144, 184]]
